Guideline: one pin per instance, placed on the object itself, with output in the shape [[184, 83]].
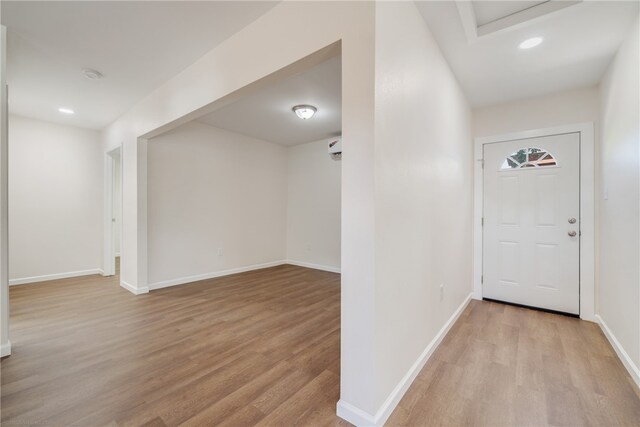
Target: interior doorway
[[113, 211]]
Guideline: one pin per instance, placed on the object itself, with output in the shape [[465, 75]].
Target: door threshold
[[546, 310]]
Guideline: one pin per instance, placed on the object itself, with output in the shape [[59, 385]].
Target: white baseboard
[[314, 266], [134, 289], [622, 354], [214, 274], [205, 276], [5, 349], [47, 277], [354, 415], [361, 418]]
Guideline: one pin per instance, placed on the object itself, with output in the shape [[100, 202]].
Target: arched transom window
[[529, 158]]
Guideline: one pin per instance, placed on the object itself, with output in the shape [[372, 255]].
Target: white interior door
[[531, 216]]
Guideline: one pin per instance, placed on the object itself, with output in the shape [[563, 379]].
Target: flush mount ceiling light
[[92, 74], [304, 111], [532, 42], [66, 111]]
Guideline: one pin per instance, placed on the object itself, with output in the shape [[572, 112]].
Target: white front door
[[531, 216]]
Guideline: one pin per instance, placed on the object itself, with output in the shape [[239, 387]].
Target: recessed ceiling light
[[66, 111], [532, 42], [304, 111], [92, 74]]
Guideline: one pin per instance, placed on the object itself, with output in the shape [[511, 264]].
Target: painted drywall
[[313, 206], [216, 201], [423, 157], [55, 199], [619, 197], [212, 190], [117, 201], [557, 109], [266, 48]]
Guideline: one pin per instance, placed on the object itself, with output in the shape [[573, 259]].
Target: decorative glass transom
[[529, 158]]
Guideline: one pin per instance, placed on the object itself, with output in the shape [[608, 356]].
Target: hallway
[[502, 365]]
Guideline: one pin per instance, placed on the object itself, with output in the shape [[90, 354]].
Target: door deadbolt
[[572, 220]]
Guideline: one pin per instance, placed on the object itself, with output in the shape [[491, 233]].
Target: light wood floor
[[263, 348], [508, 366]]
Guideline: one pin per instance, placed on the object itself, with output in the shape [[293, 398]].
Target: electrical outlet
[[220, 252], [441, 291]]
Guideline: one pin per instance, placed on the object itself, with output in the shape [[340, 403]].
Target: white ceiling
[[579, 43], [267, 114], [137, 45]]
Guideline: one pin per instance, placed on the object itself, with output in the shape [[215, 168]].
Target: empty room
[[278, 213]]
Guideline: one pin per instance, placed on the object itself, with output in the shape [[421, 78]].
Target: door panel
[[531, 191], [509, 200], [546, 208]]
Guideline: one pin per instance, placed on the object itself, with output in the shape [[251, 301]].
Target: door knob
[[572, 234], [572, 220]]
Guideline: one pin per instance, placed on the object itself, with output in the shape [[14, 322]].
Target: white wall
[[210, 190], [423, 193], [313, 206], [560, 108], [619, 198], [55, 200], [117, 201], [258, 202]]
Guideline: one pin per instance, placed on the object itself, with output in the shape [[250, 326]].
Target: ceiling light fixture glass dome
[[305, 112]]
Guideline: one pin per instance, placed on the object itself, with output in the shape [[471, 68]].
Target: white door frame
[[109, 251], [587, 208], [5, 342]]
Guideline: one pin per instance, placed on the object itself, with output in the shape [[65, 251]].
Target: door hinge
[[481, 278], [482, 221]]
